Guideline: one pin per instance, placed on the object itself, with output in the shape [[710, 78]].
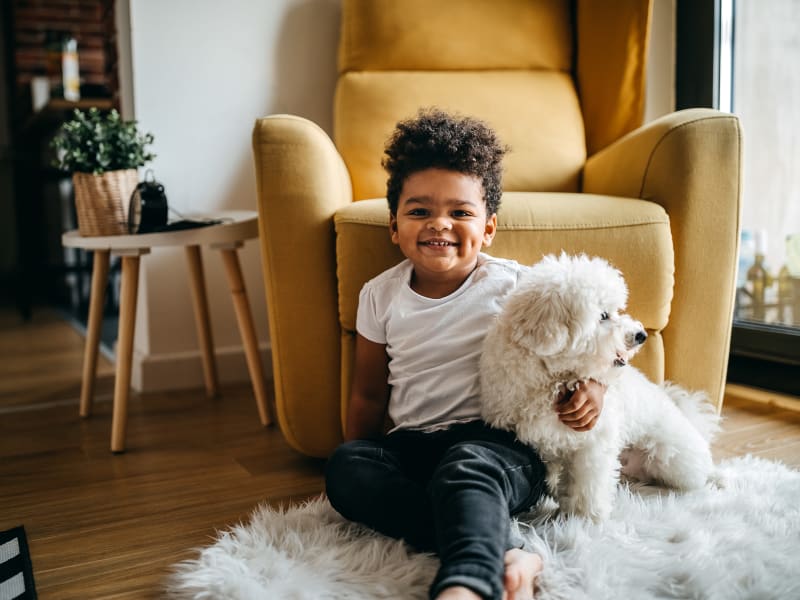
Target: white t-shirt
[[434, 344]]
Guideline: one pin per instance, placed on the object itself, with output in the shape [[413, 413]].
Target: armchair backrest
[[557, 79]]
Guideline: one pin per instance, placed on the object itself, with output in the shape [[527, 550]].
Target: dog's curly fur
[[565, 325]]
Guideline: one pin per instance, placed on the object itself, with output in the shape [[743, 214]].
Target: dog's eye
[[604, 316]]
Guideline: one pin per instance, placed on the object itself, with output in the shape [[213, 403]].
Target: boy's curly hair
[[436, 139]]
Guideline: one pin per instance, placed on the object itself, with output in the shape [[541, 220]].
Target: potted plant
[[103, 153]]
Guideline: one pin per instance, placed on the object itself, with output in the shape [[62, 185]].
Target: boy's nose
[[439, 224]]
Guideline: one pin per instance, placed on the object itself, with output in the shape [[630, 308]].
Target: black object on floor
[[16, 569]]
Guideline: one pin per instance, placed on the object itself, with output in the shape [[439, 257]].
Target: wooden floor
[[110, 526]]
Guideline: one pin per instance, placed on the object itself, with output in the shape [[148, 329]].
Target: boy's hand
[[580, 409]]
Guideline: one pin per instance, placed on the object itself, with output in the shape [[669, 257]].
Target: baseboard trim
[[184, 370], [751, 394]]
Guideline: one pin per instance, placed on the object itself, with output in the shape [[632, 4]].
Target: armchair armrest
[[689, 162], [301, 181]]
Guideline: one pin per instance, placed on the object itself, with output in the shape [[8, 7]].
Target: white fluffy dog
[[564, 325]]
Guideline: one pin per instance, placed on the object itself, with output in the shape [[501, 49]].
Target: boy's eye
[[604, 316], [462, 213], [417, 212]]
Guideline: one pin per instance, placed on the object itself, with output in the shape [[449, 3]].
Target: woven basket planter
[[101, 201]]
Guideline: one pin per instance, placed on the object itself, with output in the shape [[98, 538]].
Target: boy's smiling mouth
[[438, 243]]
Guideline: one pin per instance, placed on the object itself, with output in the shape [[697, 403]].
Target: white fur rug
[[734, 540]]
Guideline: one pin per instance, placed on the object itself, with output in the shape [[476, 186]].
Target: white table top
[[238, 225]]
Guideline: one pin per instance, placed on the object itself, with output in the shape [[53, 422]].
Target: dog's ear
[[538, 322]]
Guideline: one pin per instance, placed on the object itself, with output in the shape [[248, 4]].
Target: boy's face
[[441, 223]]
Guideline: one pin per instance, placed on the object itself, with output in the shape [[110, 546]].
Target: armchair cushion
[[488, 34]]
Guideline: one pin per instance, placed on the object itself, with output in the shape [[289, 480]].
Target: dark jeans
[[449, 492]]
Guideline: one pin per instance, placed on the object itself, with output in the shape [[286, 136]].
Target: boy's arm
[[581, 409], [369, 394]]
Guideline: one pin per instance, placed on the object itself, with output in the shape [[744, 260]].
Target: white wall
[[202, 72]]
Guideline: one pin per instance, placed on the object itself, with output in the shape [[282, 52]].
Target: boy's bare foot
[[457, 593], [521, 570]]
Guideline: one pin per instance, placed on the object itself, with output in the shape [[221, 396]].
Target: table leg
[[202, 320], [93, 326], [247, 330], [127, 318]]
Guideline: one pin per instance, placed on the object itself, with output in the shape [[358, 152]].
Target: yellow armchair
[[563, 84]]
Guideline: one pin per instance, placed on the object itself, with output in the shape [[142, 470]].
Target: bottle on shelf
[[70, 70], [759, 279], [785, 295]]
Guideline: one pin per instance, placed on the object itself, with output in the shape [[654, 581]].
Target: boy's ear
[[491, 229], [393, 228]]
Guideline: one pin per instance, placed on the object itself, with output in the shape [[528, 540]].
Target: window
[[744, 57]]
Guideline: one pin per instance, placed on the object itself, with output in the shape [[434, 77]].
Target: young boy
[[441, 479]]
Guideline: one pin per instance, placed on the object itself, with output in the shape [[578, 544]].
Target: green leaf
[[96, 142]]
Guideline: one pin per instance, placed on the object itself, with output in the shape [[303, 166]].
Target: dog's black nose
[[641, 337]]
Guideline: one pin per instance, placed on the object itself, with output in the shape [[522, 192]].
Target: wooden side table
[[227, 237]]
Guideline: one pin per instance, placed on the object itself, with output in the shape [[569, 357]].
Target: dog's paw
[[717, 479]]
